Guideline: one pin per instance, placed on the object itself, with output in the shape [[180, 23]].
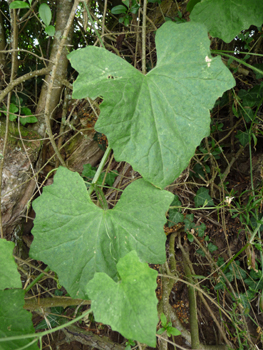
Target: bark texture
[[63, 10]]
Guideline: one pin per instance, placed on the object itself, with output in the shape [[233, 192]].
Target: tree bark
[[63, 10]]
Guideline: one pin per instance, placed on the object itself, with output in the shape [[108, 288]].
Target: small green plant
[[44, 13], [126, 10], [167, 327], [129, 344], [17, 108], [89, 172]]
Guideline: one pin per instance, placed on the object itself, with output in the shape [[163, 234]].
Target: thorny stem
[[43, 303]]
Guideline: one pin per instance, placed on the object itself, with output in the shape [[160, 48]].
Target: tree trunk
[[63, 10]]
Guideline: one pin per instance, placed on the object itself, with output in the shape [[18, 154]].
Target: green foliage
[[124, 300], [89, 172], [129, 344], [154, 145], [76, 220], [17, 106], [18, 5], [217, 16], [9, 276], [14, 320], [243, 137], [174, 214], [251, 97], [203, 198], [191, 4], [46, 15], [155, 122], [126, 9], [167, 326]]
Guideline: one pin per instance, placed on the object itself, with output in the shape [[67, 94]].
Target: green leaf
[[211, 247], [130, 305], [13, 109], [126, 2], [31, 119], [220, 261], [175, 217], [173, 331], [163, 319], [69, 224], [12, 117], [174, 214], [116, 10], [225, 19], [252, 97], [161, 330], [110, 178], [190, 237], [191, 4], [45, 13], [243, 137], [174, 98], [9, 277], [188, 222], [14, 320], [260, 67], [202, 197], [201, 229], [18, 5], [26, 111], [200, 252], [89, 172], [50, 30]]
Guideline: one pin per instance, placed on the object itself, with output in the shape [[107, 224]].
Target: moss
[[14, 137]]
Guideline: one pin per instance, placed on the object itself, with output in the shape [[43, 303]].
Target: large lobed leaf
[[224, 19], [77, 239], [130, 305], [155, 122], [9, 276], [15, 321]]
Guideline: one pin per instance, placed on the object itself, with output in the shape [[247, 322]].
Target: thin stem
[[238, 60], [42, 334], [99, 170], [47, 269], [93, 25], [144, 37]]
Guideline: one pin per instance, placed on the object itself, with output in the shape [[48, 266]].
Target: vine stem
[[93, 25], [99, 170], [47, 269], [238, 60], [42, 334], [144, 37], [52, 79]]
